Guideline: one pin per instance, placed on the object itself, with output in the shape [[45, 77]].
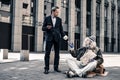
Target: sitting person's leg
[[72, 64], [91, 66]]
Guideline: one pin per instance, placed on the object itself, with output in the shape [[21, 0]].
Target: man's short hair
[[54, 8]]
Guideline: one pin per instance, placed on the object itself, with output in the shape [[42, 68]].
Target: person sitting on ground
[[85, 59]]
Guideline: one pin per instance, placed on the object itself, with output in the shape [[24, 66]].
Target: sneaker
[[70, 74]]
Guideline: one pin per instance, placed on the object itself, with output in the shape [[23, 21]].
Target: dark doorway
[[5, 35], [28, 38], [28, 42]]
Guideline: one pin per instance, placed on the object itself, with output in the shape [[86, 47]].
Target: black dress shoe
[[46, 72], [57, 70]]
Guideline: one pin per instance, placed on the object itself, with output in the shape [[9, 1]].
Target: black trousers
[[49, 45]]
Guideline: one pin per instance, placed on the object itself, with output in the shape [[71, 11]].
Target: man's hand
[[65, 37], [91, 60], [49, 26]]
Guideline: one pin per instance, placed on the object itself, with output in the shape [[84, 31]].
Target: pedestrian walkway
[[14, 69]]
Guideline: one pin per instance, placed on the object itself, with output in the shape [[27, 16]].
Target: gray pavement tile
[[33, 69]]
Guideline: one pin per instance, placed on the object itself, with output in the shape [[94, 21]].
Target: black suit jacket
[[55, 32]]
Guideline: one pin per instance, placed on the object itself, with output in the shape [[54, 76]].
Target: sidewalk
[[14, 69]]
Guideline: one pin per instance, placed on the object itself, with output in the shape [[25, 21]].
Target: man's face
[[56, 12]]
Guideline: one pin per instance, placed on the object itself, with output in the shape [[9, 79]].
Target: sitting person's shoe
[[70, 74], [65, 72], [46, 72], [57, 70]]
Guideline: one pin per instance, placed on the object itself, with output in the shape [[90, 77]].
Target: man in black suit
[[53, 29]]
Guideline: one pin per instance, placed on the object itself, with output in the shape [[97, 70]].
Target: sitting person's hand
[[91, 60]]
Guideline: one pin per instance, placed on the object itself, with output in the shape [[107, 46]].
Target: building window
[[48, 4], [7, 2], [32, 6], [98, 21], [88, 18], [25, 5], [11, 11], [5, 10], [77, 3], [106, 3], [105, 25], [32, 0], [65, 10], [29, 12], [52, 4], [105, 16], [98, 16], [105, 19], [112, 25], [119, 31], [112, 22], [78, 19], [64, 3], [98, 1], [32, 10], [77, 23], [78, 13], [98, 10]]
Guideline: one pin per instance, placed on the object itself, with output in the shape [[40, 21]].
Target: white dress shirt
[[53, 20]]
